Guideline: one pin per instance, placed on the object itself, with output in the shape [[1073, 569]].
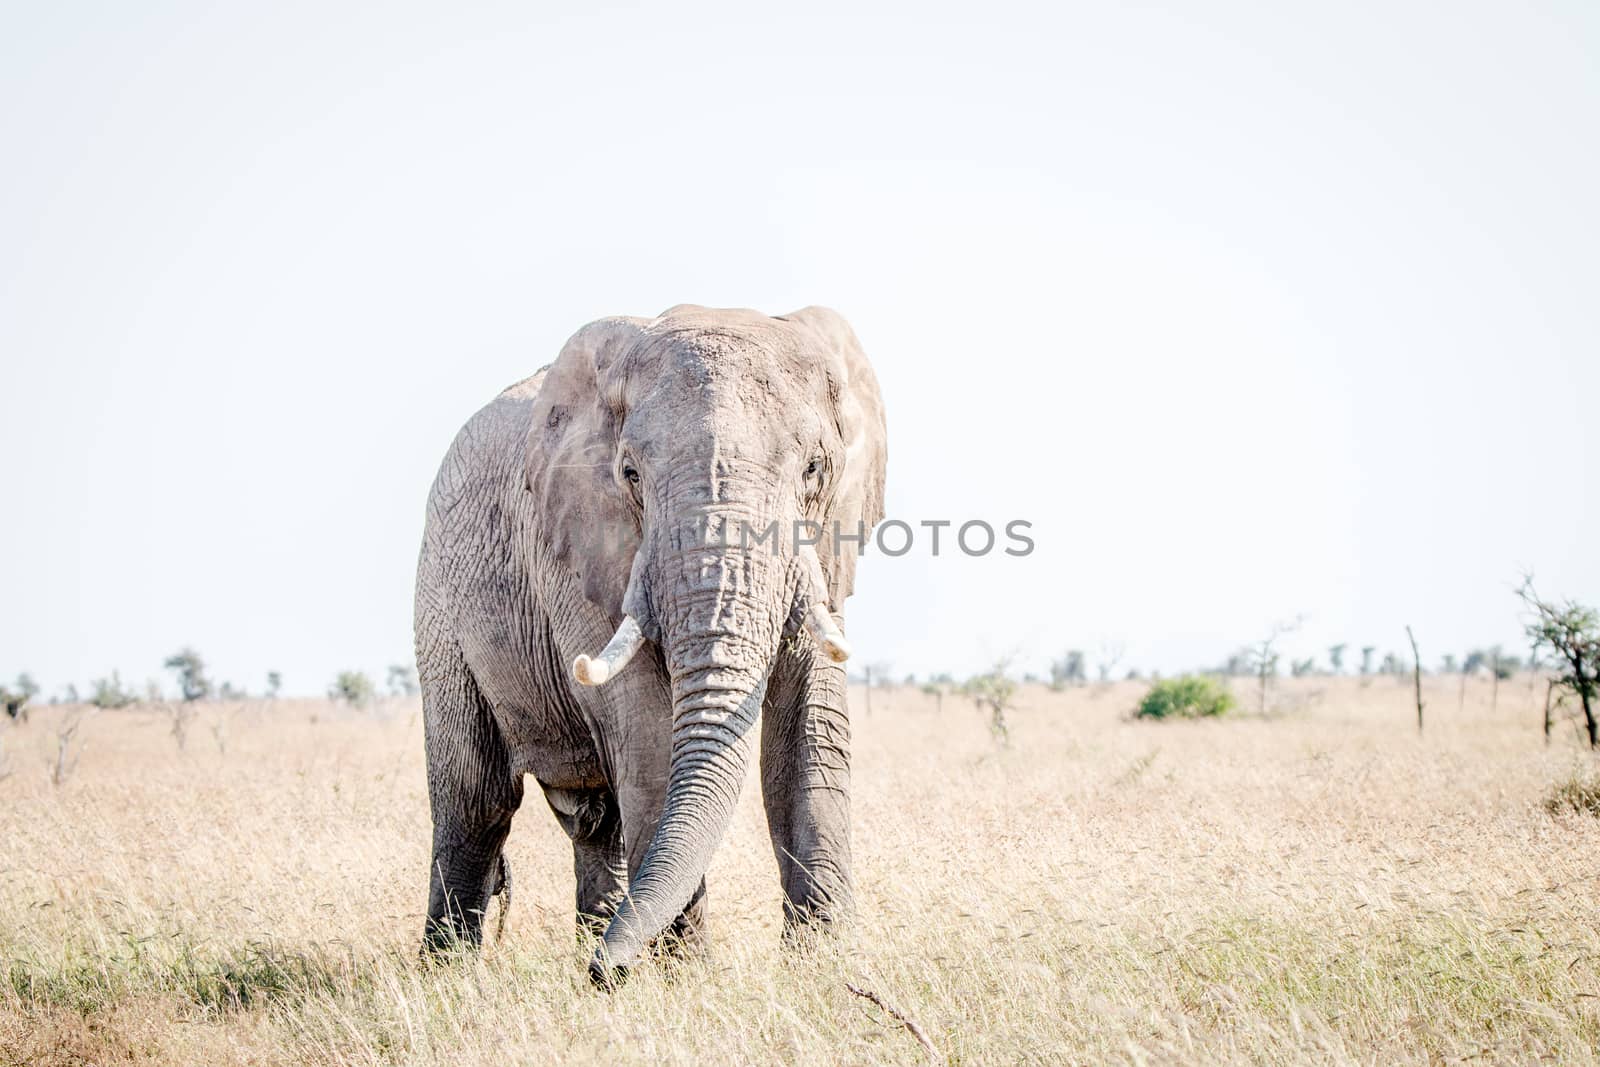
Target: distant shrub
[[994, 692], [191, 671], [353, 687], [16, 704], [1068, 670], [111, 693], [402, 680], [1188, 697], [1578, 792], [1492, 660]]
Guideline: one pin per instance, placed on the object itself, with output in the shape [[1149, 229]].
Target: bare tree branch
[[1416, 673], [900, 1017]]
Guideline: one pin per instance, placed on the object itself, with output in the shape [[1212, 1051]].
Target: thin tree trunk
[[1494, 692], [1461, 696], [1584, 684], [1549, 691], [1416, 674]]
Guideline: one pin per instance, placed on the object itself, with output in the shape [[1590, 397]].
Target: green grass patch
[[1189, 697], [242, 978]]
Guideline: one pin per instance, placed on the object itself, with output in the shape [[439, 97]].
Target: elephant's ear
[[580, 513], [858, 493]]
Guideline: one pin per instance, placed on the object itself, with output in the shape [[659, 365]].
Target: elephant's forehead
[[758, 381]]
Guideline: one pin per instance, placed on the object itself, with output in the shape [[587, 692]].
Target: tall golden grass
[[1321, 885]]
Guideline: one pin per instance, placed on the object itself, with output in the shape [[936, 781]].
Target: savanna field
[[1315, 885]]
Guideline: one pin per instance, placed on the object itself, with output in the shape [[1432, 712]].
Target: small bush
[[995, 692], [1578, 792], [1189, 697], [111, 693], [353, 687]]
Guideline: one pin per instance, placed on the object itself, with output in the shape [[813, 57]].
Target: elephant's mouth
[[811, 602]]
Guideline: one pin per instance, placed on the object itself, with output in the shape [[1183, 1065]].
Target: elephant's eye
[[630, 474], [813, 468]]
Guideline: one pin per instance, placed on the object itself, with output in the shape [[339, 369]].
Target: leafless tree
[[1416, 673], [875, 676], [180, 716], [1264, 658], [1494, 676], [1111, 653]]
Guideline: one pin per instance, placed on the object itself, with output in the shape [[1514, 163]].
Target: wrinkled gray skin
[[580, 494]]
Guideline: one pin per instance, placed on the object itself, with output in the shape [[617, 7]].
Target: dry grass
[[1578, 792], [1320, 887]]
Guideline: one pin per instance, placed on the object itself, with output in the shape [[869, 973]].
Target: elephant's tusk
[[618, 651], [825, 632], [818, 619]]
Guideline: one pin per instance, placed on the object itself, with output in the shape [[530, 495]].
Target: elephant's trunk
[[720, 609]]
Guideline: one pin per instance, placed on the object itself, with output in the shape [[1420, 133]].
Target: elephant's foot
[[443, 941], [811, 922], [463, 883]]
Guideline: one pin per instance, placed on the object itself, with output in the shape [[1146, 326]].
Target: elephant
[[608, 600]]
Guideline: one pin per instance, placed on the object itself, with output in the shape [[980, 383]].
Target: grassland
[[1321, 885]]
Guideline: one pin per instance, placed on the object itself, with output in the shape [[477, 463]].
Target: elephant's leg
[[593, 819], [805, 784], [473, 794]]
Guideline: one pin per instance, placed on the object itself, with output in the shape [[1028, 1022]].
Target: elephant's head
[[671, 461]]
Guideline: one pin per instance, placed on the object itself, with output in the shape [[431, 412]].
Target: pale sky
[[1259, 311]]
